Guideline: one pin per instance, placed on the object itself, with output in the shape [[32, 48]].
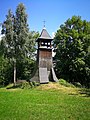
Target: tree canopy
[[18, 46], [72, 42]]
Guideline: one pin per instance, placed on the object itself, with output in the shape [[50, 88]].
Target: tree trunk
[[14, 72]]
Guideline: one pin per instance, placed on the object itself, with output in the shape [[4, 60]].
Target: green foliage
[[26, 85], [17, 47], [72, 41], [65, 83], [25, 68], [22, 85], [20, 30], [77, 84], [30, 44], [11, 86], [2, 47], [8, 31], [6, 71], [15, 29]]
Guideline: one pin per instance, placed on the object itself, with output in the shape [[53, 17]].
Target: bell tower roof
[[44, 35]]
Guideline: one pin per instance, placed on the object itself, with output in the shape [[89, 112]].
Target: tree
[[6, 73], [15, 29], [72, 41], [28, 63], [31, 44], [8, 41], [20, 33]]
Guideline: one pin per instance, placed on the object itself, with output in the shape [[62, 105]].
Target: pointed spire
[[44, 35]]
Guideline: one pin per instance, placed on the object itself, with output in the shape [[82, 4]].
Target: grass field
[[46, 102]]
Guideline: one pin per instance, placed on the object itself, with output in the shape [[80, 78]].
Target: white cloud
[[53, 53], [0, 37], [0, 30], [53, 34], [1, 34]]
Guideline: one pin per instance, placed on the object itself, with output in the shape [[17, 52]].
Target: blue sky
[[54, 12]]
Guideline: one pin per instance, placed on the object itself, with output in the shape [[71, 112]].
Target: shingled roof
[[44, 35]]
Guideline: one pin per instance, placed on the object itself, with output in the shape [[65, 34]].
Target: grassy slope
[[47, 102]]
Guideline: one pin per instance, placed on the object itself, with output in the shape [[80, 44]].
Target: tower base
[[42, 75]]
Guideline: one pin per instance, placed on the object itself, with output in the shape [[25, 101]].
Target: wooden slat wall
[[45, 54]]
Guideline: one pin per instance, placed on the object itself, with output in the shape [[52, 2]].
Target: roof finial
[[44, 23]]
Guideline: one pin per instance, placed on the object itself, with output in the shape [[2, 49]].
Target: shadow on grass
[[73, 94], [85, 92]]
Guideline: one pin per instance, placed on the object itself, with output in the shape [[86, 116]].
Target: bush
[[77, 84], [12, 86], [29, 85], [35, 83], [65, 83], [6, 71], [23, 85], [26, 85], [9, 86]]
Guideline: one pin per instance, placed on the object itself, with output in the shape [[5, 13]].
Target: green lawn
[[47, 102]]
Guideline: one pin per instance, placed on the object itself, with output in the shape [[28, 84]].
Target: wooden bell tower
[[44, 59], [44, 52]]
